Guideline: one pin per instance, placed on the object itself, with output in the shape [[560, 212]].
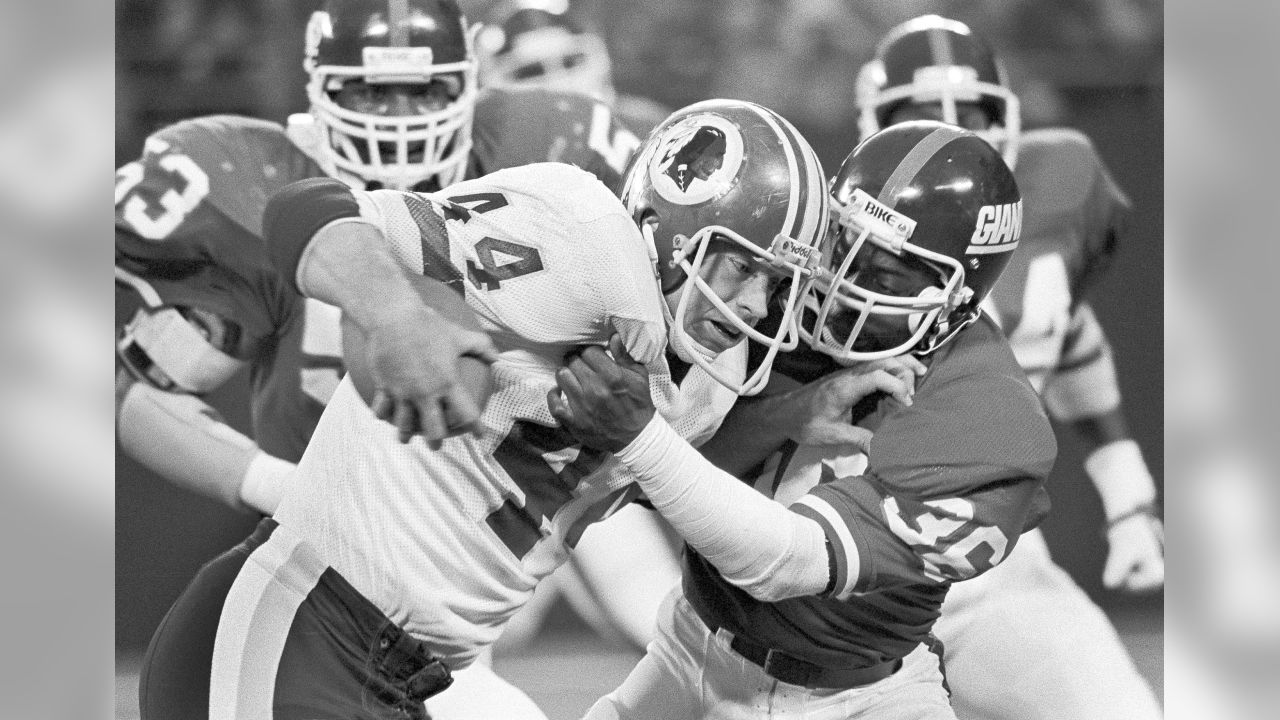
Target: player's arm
[[757, 544], [317, 235], [167, 358], [817, 413], [1084, 393]]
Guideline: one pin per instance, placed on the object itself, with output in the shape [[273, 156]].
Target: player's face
[[969, 115], [881, 271], [399, 99], [737, 278], [706, 164]]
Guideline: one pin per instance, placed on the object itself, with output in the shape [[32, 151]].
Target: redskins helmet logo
[[696, 159]]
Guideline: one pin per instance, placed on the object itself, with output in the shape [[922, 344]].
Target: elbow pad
[[296, 213], [170, 352]]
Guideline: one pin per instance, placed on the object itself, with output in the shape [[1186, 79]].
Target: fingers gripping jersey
[[189, 232], [450, 543], [1074, 214], [949, 484], [518, 126]]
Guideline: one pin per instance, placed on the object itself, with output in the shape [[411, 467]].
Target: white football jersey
[[450, 543]]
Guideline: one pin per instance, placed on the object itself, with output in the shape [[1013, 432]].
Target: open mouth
[[730, 334]]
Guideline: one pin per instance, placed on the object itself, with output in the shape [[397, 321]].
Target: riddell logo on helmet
[[998, 230]]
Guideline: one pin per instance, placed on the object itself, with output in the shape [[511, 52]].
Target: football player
[[386, 564], [815, 597], [394, 103], [1025, 641], [535, 43], [391, 106]]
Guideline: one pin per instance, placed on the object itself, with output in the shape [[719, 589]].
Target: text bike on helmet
[[935, 196], [729, 171]]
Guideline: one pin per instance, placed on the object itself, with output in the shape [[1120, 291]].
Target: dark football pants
[[297, 643]]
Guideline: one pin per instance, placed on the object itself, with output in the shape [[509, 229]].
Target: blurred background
[[1096, 65], [1099, 66]]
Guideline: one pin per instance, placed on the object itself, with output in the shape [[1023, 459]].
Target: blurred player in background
[[389, 563], [395, 103], [1025, 641], [536, 43], [816, 597]]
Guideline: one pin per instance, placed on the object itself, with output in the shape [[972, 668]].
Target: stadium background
[[1092, 64]]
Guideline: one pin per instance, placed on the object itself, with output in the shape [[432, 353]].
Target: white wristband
[[264, 482], [1121, 477]]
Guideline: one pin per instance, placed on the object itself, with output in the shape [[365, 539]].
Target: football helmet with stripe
[[932, 59], [535, 43], [925, 217], [392, 90], [733, 172]]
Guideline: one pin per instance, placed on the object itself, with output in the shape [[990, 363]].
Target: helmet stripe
[[398, 20], [793, 170], [940, 46], [807, 183], [914, 161]]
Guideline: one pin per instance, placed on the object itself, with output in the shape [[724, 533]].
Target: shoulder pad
[[516, 127], [246, 160], [1059, 170]]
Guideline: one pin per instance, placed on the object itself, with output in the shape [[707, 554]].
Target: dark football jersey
[[1074, 214], [521, 126], [948, 486], [188, 226]]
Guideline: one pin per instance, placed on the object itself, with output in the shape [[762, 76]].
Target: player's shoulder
[[640, 114], [1057, 168], [547, 188], [241, 161], [978, 361], [237, 146]]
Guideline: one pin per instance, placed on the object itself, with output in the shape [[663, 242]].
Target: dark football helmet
[[392, 90], [931, 59], [943, 203], [535, 43], [736, 172]]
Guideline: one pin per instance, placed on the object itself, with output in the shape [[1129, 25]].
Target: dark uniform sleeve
[[188, 225], [951, 482]]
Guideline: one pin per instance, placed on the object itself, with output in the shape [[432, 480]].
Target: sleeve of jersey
[[175, 248], [951, 483], [1107, 217], [297, 212], [1084, 384], [544, 253]]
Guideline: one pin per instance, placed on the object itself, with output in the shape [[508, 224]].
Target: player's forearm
[[350, 265], [316, 237], [755, 543], [180, 438]]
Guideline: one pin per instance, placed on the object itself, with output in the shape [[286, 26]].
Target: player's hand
[[821, 409], [412, 356], [603, 401], [1135, 560]]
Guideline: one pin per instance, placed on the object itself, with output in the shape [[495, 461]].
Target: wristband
[[264, 482], [1121, 477]]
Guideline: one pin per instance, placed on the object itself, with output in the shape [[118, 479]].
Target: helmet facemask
[[946, 85], [556, 59], [396, 151], [791, 260], [839, 298]]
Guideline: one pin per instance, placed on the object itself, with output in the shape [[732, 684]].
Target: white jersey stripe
[[844, 545], [255, 622]]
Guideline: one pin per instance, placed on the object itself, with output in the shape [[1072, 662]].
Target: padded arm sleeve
[[297, 212], [756, 543]]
